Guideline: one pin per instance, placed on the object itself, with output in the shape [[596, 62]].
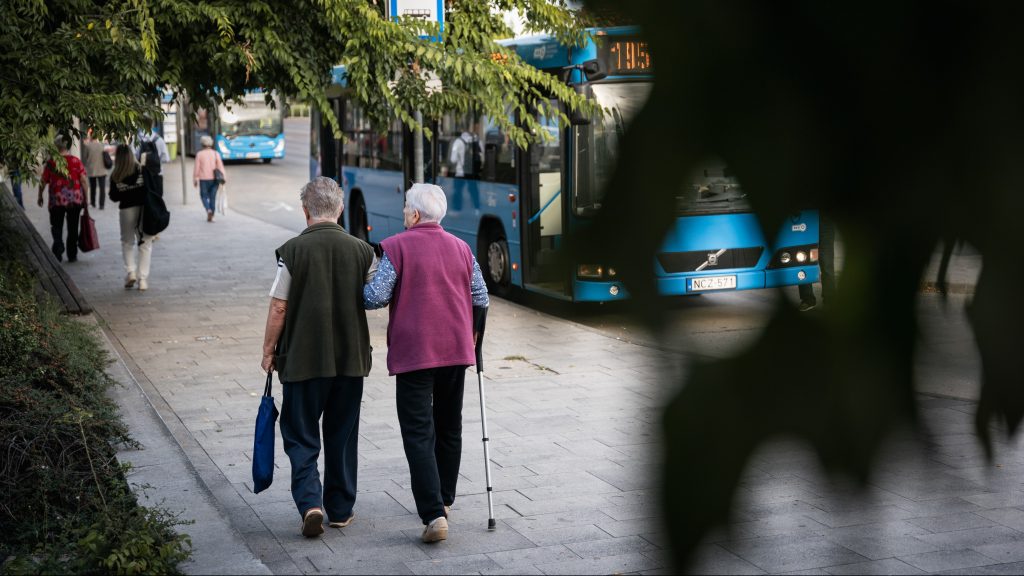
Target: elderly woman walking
[[203, 176], [435, 288], [128, 189]]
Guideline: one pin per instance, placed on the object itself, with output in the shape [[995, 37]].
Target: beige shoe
[[129, 280], [343, 523], [313, 523], [143, 285], [436, 531]]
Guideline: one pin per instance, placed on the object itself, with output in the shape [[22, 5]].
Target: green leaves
[[104, 62]]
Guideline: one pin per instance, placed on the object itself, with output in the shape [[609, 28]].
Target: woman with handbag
[[208, 175], [67, 197], [128, 189]]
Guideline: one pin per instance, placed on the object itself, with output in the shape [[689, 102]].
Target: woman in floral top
[[66, 199]]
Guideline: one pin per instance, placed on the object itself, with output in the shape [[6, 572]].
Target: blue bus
[[516, 207], [249, 130]]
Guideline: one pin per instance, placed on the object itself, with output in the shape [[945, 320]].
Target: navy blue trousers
[[337, 400], [430, 415]]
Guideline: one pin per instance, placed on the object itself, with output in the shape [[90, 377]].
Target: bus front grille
[[709, 260]]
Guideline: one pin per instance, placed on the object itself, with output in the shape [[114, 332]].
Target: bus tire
[[357, 220], [267, 160], [495, 262]]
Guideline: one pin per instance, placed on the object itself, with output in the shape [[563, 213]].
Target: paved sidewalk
[[573, 416]]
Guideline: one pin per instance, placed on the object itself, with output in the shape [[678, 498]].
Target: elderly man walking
[[435, 288], [318, 341]]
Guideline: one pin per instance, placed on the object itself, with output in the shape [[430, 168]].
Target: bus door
[[543, 216]]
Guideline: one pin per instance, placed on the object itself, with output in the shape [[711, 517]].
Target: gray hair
[[323, 198], [429, 200], [61, 143], [206, 141]]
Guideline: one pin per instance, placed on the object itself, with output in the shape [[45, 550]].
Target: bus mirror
[[577, 117], [595, 70]]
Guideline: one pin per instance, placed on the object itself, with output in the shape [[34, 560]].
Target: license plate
[[252, 154], [713, 283]]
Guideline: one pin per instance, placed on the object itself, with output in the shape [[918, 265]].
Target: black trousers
[[57, 217], [430, 415], [97, 184], [337, 400]]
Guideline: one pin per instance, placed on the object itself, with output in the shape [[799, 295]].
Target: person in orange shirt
[[204, 176]]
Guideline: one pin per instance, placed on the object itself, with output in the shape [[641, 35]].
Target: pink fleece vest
[[431, 311]]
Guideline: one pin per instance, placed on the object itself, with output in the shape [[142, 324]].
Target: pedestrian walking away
[[66, 198], [433, 283], [318, 341], [92, 158], [204, 176], [151, 140], [826, 265], [129, 191]]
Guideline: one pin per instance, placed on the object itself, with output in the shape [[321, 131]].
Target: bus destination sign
[[627, 56]]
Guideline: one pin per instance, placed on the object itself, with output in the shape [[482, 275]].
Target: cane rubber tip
[[491, 524]]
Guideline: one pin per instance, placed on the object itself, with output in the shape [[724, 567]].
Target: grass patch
[[65, 505]]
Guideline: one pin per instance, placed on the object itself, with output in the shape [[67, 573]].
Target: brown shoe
[[436, 531], [343, 523], [313, 523], [209, 216]]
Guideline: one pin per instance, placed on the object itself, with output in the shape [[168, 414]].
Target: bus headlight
[[223, 147], [590, 271], [794, 256], [280, 146]]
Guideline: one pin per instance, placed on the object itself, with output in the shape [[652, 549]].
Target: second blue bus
[[517, 207]]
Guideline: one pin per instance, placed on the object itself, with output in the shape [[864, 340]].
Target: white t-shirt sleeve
[[282, 282], [373, 270]]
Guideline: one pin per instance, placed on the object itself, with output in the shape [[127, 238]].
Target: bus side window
[[499, 154], [461, 143], [387, 147]]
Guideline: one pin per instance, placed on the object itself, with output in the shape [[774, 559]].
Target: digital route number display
[[627, 57]]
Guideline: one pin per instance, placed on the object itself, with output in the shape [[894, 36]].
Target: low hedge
[[65, 505]]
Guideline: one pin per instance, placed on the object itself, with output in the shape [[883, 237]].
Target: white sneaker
[[129, 280], [143, 285], [436, 531]]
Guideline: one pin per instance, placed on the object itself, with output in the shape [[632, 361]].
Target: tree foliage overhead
[[105, 62]]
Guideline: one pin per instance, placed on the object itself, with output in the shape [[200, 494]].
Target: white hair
[[206, 141], [323, 198], [429, 200]]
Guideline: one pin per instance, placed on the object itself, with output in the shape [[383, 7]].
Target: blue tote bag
[[263, 445]]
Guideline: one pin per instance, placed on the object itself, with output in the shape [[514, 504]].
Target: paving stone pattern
[[573, 418]]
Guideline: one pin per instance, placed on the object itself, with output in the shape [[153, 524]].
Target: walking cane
[[479, 323]]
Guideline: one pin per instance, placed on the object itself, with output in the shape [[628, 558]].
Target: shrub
[[65, 505]]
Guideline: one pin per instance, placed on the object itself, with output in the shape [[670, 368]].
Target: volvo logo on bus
[[712, 260]]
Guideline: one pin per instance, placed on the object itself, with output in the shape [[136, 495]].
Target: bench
[[50, 275]]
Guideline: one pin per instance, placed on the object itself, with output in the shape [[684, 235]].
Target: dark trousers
[[97, 184], [57, 216], [337, 400], [826, 262], [430, 415]]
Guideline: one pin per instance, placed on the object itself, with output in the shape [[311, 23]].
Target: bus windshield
[[597, 144], [254, 119]]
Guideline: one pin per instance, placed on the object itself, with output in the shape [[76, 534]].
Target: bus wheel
[[494, 261], [267, 160], [357, 220]]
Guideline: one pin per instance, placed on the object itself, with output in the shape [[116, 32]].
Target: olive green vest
[[325, 332]]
